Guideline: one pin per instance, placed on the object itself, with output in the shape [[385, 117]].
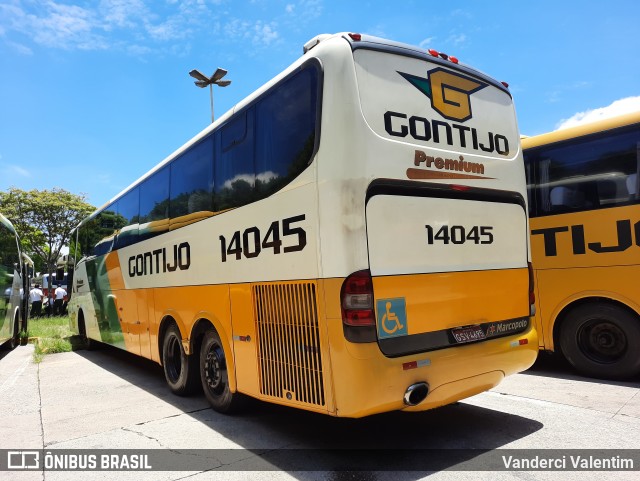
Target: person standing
[[58, 304], [35, 297]]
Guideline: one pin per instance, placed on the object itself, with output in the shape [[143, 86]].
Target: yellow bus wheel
[[602, 340], [180, 370], [214, 375]]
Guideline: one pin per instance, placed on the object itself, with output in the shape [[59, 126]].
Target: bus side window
[[107, 224], [128, 213], [564, 198], [286, 132], [191, 185], [234, 165], [632, 186], [154, 205]]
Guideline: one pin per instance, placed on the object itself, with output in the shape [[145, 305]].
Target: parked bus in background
[[350, 239], [56, 282], [585, 237], [13, 307]]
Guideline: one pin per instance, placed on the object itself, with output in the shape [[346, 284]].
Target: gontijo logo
[[449, 92], [451, 97]]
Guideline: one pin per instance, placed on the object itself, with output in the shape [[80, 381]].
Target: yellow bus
[[13, 307], [585, 240], [350, 239]]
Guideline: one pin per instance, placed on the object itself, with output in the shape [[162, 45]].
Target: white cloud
[[11, 170], [54, 25], [457, 39], [21, 49], [265, 34], [426, 42], [169, 30], [619, 107], [140, 27], [121, 13], [311, 8], [259, 33]]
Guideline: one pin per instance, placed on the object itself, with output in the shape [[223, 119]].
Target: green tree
[[44, 220]]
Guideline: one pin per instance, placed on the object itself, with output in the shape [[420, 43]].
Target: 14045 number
[[250, 242], [457, 234]]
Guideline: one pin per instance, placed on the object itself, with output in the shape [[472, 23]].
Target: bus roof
[[580, 130]]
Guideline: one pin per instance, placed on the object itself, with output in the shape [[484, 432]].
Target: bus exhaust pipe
[[416, 393]]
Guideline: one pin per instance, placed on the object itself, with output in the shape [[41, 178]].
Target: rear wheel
[[215, 376], [15, 339], [180, 370], [602, 340]]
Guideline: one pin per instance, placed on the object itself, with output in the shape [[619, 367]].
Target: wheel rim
[[215, 369], [602, 341], [173, 359]]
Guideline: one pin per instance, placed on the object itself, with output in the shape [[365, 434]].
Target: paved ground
[[107, 399]]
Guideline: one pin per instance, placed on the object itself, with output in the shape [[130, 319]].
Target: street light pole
[[211, 98], [216, 79]]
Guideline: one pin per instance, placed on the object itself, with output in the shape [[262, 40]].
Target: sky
[[93, 94]]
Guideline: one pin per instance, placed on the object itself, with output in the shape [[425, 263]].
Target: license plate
[[468, 334]]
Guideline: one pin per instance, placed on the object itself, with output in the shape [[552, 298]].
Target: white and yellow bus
[[585, 238], [13, 314], [350, 239]]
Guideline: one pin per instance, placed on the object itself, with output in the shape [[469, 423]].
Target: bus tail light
[[356, 301]]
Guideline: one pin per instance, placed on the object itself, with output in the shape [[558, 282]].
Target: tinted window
[[234, 168], [285, 132], [9, 256], [269, 144], [101, 231], [9, 264], [192, 181], [154, 204], [128, 208], [595, 172]]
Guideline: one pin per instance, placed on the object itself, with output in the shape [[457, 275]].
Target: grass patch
[[53, 335]]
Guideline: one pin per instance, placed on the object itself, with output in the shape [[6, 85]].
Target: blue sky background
[[95, 93]]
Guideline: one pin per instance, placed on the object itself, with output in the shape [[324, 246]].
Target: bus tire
[[180, 370], [215, 377], [85, 341], [602, 340], [15, 339]]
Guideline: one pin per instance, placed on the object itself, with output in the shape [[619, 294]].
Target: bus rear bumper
[[374, 383]]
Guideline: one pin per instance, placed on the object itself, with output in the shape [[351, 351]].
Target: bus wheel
[[180, 370], [15, 339], [602, 340], [85, 341], [214, 375]]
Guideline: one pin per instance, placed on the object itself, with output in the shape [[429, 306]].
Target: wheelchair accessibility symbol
[[391, 317]]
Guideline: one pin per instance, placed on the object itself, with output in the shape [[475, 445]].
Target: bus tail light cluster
[[356, 301]]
